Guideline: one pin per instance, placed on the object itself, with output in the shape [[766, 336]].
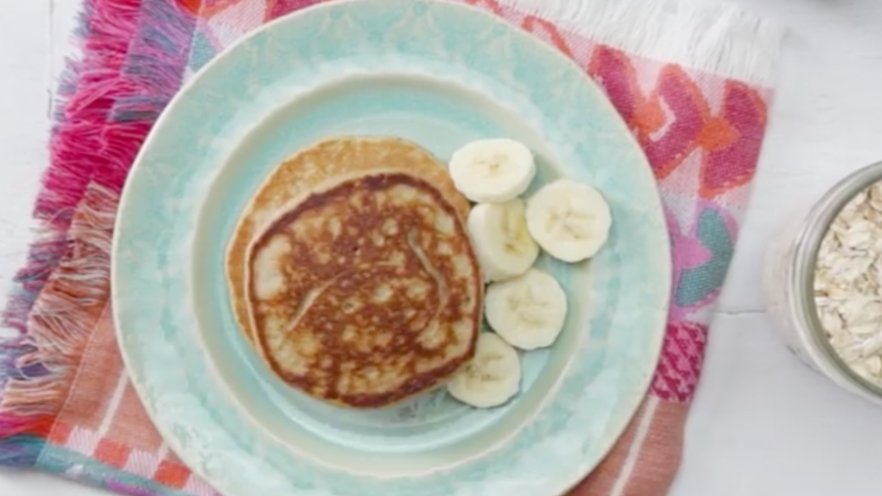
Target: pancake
[[316, 168], [366, 292]]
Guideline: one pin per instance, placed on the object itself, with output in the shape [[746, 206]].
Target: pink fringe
[[121, 141], [39, 366], [77, 144], [79, 149], [134, 56]]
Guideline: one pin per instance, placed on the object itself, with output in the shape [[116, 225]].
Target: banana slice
[[527, 311], [491, 378], [569, 220], [502, 243], [492, 170]]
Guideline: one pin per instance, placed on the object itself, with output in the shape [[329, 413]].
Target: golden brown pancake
[[319, 167], [367, 292]]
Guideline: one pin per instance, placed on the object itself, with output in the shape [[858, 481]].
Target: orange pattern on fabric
[[172, 474], [733, 164], [212, 8], [612, 69], [675, 120], [540, 27], [60, 433], [112, 453], [87, 402], [191, 6]]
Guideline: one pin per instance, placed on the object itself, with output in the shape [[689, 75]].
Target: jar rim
[[806, 247]]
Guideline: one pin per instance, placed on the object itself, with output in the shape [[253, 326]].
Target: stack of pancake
[[352, 275]]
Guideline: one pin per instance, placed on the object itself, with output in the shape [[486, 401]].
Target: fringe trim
[[86, 95], [123, 83], [93, 146], [43, 256], [720, 39], [77, 145], [156, 61], [149, 77], [62, 319]]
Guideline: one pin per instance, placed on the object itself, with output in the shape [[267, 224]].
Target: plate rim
[[665, 264]]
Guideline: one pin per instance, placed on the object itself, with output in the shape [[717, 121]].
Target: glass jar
[[789, 283]]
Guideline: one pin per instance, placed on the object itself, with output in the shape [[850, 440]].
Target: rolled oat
[[848, 284]]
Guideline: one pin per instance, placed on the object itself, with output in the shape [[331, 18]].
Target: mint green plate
[[439, 74]]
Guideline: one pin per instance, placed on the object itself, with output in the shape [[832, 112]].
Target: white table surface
[[762, 423]]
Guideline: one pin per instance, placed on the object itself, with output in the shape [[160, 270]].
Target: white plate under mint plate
[[439, 74]]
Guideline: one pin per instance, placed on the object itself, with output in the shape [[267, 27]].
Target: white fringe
[[64, 314], [720, 39]]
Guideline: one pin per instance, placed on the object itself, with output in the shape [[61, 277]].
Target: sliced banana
[[527, 311], [492, 170], [491, 378], [569, 220], [501, 240]]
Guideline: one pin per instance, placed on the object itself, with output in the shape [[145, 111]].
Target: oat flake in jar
[[823, 284]]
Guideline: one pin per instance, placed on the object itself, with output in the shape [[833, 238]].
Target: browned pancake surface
[[367, 292], [314, 169]]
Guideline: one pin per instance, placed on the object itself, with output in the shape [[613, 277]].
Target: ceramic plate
[[439, 74]]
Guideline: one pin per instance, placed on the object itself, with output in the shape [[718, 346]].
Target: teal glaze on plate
[[439, 74], [426, 111]]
